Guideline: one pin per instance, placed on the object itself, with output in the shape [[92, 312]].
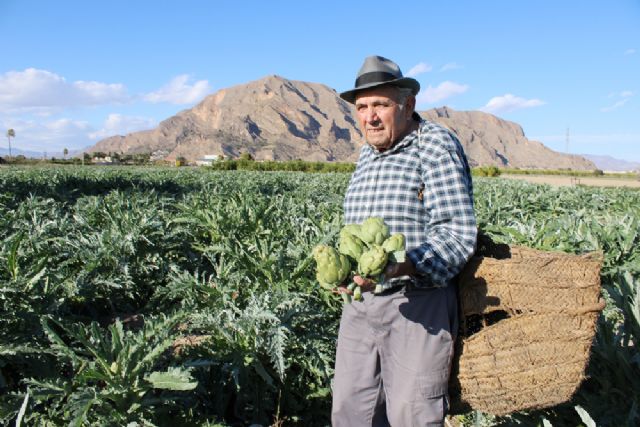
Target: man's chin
[[379, 144]]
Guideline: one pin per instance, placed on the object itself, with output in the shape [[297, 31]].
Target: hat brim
[[408, 82]]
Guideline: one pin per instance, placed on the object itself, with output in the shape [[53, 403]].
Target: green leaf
[[584, 416], [81, 406], [23, 409], [172, 379], [259, 367], [12, 260]]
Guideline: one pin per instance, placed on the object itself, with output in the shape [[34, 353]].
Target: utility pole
[[566, 148], [10, 134]]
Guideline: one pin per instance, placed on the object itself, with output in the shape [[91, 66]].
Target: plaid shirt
[[422, 188]]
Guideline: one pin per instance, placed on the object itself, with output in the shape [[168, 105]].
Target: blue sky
[[73, 72]]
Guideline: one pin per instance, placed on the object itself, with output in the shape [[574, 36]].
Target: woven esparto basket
[[528, 321]]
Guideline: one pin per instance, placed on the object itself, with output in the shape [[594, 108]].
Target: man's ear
[[409, 106]]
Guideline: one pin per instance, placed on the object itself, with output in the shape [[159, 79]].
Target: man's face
[[382, 120]]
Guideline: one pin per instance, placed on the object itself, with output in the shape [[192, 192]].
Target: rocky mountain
[[491, 141], [272, 119], [278, 119]]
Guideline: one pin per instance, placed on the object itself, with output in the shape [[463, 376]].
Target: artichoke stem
[[346, 298]]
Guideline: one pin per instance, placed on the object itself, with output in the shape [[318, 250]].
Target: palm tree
[[10, 134], [64, 153]]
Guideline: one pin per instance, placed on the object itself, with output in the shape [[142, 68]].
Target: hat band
[[375, 77]]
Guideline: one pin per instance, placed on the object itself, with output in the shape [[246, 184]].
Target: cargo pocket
[[432, 406]]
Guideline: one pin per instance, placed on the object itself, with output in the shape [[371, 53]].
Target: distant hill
[[18, 152], [37, 154], [608, 163], [279, 119]]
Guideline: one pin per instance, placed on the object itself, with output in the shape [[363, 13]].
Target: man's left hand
[[405, 268]]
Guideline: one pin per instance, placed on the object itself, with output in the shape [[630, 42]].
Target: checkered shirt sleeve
[[422, 188]]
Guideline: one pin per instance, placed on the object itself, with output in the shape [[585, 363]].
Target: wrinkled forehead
[[379, 93]]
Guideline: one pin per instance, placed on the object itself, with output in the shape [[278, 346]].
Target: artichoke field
[[142, 297]]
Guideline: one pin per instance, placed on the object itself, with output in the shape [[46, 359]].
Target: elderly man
[[395, 348]]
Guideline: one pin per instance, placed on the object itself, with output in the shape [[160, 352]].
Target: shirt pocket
[[401, 178], [407, 189]]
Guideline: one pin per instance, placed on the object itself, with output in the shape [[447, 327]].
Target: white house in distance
[[208, 159]]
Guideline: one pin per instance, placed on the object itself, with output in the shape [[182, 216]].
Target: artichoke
[[350, 230], [373, 261], [368, 245], [373, 231], [332, 266], [351, 246], [394, 243]]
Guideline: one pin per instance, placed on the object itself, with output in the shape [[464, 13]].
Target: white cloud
[[419, 68], [178, 91], [629, 51], [450, 66], [50, 136], [614, 106], [444, 90], [623, 96], [117, 124], [509, 102], [44, 92], [54, 135]]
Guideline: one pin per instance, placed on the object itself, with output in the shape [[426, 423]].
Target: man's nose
[[372, 115]]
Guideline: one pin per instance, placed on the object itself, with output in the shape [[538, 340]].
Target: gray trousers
[[394, 358]]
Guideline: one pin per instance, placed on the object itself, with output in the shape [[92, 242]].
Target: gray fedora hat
[[378, 71]]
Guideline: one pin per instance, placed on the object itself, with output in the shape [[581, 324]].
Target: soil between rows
[[567, 181]]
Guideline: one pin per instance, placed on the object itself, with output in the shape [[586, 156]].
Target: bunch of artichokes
[[364, 249]]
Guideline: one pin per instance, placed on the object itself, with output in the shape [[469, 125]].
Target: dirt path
[[570, 180]]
